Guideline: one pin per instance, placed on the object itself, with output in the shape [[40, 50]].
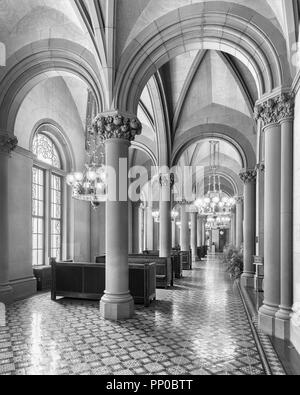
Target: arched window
[[47, 199]]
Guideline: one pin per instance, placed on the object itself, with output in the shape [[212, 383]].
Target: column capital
[[167, 180], [248, 176], [239, 199], [276, 109], [116, 125], [260, 167], [8, 143]]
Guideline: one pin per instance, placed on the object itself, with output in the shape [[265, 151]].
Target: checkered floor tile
[[198, 328]]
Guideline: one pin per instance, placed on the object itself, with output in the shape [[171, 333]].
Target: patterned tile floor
[[198, 328]]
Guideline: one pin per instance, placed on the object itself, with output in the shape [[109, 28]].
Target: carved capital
[[239, 199], [275, 110], [248, 176], [260, 167], [116, 126], [167, 180], [8, 143]]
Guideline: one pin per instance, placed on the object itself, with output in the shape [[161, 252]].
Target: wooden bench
[[176, 261], [87, 281], [164, 270]]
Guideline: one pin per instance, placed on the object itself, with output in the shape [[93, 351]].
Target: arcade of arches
[[212, 86]]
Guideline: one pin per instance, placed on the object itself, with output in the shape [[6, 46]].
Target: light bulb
[[70, 179], [91, 175], [78, 176]]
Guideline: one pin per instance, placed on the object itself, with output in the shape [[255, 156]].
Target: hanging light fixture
[[90, 185], [215, 201]]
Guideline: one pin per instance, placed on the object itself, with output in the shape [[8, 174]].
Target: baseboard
[[23, 288]]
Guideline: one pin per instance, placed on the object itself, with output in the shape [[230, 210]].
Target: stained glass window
[[38, 216], [45, 150]]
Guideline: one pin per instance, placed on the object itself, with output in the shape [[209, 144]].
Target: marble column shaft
[[184, 231], [249, 179], [7, 144], [239, 223], [194, 235], [165, 240]]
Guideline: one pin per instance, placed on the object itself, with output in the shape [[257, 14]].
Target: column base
[[259, 284], [266, 319], [6, 294], [248, 280], [117, 307], [283, 324]]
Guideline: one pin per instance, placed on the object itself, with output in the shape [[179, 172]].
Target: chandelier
[[90, 184], [215, 202], [218, 222]]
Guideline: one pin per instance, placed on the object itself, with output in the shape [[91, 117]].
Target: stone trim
[[116, 126], [248, 176], [276, 109], [8, 143]]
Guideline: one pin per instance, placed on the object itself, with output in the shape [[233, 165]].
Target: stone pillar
[[194, 236], [233, 228], [150, 229], [249, 180], [199, 231], [165, 241], [239, 222], [283, 317], [7, 144], [260, 199], [141, 229], [184, 230], [268, 114], [174, 243], [117, 132]]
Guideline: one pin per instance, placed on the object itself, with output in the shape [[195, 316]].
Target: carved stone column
[[268, 114], [141, 228], [117, 131], [194, 235], [233, 227], [184, 229], [7, 144], [149, 245], [286, 106], [166, 182], [239, 222], [249, 180]]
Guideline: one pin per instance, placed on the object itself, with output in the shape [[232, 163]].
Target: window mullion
[[47, 216]]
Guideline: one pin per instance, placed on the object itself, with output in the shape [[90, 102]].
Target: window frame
[[48, 172]]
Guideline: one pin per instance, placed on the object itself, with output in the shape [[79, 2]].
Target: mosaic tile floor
[[198, 328]]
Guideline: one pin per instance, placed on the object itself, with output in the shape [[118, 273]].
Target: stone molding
[[275, 110], [167, 180], [248, 176], [116, 126], [8, 143], [261, 167], [239, 199]]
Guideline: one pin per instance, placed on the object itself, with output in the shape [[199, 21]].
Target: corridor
[[199, 327]]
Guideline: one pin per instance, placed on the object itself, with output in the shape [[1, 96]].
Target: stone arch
[[242, 32], [222, 132], [25, 75]]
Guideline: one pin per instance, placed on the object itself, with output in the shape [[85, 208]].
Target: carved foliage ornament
[[276, 109], [248, 176], [167, 180], [8, 143], [116, 127]]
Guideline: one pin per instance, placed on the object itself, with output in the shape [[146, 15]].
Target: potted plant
[[234, 261]]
